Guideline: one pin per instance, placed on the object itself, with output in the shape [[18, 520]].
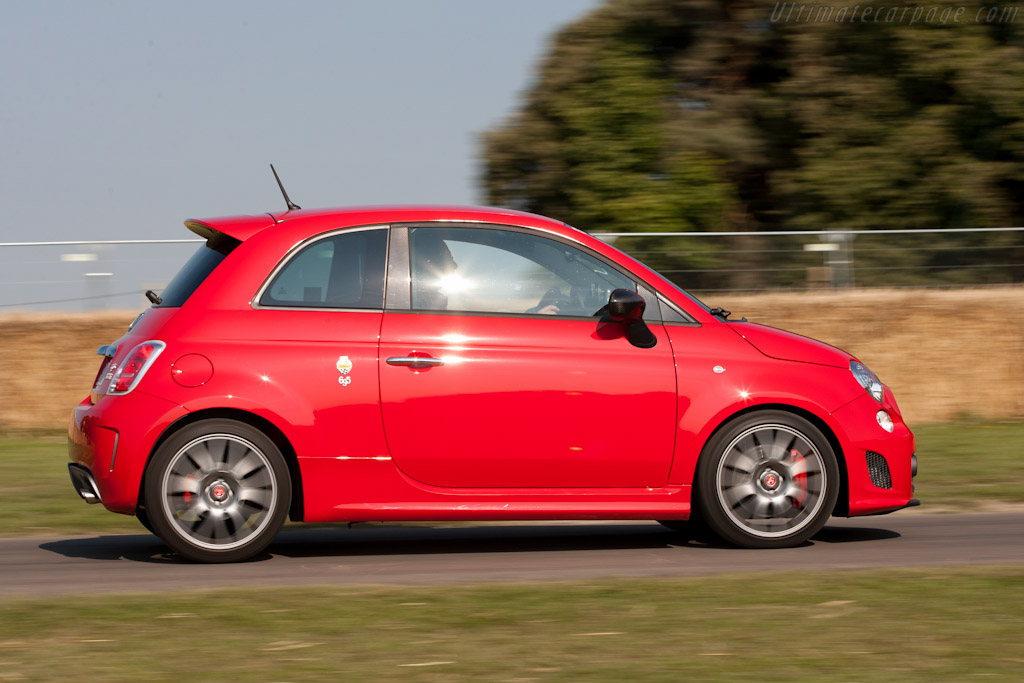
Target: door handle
[[415, 361]]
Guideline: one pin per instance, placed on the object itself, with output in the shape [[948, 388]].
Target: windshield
[[197, 269]]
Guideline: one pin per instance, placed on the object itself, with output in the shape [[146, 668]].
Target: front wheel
[[217, 491], [767, 480]]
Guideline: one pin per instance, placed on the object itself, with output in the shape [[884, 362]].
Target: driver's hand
[[550, 309]]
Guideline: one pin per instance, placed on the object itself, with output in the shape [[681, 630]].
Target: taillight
[[103, 368], [108, 351], [134, 367]]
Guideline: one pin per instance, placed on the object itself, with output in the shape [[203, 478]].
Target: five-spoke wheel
[[217, 491], [767, 480]]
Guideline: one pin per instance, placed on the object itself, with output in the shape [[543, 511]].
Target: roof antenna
[[292, 206]]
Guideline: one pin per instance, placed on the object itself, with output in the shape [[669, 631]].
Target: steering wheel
[[554, 297]]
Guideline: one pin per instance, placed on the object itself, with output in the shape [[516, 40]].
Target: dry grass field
[[49, 364], [947, 354]]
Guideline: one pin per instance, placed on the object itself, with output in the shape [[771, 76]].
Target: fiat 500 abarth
[[467, 364]]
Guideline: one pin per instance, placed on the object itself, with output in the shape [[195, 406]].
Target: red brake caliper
[[187, 496], [800, 479]]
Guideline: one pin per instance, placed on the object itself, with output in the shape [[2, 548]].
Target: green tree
[[713, 115]]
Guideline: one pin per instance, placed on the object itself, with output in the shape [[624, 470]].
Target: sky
[[121, 119]]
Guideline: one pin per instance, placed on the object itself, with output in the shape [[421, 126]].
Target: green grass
[[38, 498], [910, 625], [965, 467], [968, 466]]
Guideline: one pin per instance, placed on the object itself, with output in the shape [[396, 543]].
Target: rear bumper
[[109, 443], [880, 466]]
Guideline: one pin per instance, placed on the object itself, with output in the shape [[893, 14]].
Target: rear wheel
[[767, 480], [143, 517], [217, 491]]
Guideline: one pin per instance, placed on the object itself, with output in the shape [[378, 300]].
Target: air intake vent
[[878, 469]]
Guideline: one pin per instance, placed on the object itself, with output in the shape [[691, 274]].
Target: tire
[[217, 491], [768, 479], [140, 514]]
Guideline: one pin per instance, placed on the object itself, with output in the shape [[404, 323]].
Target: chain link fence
[[88, 275], [834, 259]]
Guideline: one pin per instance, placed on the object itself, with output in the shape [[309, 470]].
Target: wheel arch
[[272, 431], [843, 501]]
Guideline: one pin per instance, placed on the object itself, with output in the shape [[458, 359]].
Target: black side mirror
[[627, 307]]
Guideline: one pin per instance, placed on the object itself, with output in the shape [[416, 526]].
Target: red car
[[428, 363]]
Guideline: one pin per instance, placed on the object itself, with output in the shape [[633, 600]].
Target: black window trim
[[688, 322]]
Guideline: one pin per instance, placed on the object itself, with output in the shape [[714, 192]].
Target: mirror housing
[[627, 307]]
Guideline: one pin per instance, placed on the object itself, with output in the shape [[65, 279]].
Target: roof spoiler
[[201, 229]]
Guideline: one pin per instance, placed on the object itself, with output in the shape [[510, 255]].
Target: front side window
[[342, 271], [504, 271]]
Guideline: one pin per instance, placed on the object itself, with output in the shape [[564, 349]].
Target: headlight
[[868, 380]]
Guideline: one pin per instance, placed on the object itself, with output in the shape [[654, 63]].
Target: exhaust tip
[[85, 485]]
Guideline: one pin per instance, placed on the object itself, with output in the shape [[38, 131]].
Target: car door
[[497, 369]]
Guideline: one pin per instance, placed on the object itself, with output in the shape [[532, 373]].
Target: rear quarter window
[[345, 270]]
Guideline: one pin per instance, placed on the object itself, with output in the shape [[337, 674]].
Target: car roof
[[243, 227]]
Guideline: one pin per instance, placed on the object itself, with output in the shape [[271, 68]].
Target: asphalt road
[[526, 552]]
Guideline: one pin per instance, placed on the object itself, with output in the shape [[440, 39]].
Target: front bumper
[[109, 443], [880, 466]]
